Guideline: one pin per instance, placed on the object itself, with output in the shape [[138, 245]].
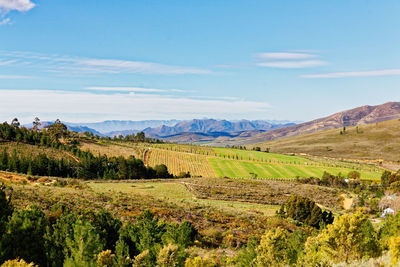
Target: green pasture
[[250, 169]]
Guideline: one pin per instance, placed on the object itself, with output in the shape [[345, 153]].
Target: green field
[[258, 156], [234, 163], [248, 169]]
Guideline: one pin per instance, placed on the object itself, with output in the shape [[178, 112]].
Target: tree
[[57, 130], [6, 209], [162, 171], [272, 249], [247, 255], [56, 239], [36, 124], [107, 226], [354, 175], [24, 236], [306, 211], [122, 258], [15, 123], [84, 245], [182, 235], [350, 237], [385, 177]]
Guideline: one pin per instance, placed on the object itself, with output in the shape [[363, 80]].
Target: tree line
[[84, 166]]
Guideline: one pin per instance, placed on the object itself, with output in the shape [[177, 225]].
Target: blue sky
[[285, 60]]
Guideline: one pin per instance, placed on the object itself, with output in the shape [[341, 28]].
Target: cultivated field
[[234, 163]]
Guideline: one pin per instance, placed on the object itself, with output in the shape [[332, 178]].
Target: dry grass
[[262, 191], [372, 142]]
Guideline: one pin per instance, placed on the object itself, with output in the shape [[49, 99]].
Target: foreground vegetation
[[315, 212], [109, 224]]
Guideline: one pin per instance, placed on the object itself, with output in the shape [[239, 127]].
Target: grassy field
[[374, 142]]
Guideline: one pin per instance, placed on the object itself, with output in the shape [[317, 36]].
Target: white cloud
[[9, 5], [288, 60], [88, 106], [57, 63], [349, 74], [118, 66], [18, 5], [293, 64], [284, 55], [131, 89]]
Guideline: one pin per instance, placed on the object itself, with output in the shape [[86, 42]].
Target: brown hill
[[376, 142], [352, 117]]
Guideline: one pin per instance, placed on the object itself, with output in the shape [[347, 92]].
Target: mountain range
[[224, 132]]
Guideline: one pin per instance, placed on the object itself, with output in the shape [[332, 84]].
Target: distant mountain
[[352, 117], [208, 137], [207, 126], [119, 125], [82, 129], [78, 128]]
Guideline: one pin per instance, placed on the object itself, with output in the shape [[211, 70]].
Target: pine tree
[[84, 245]]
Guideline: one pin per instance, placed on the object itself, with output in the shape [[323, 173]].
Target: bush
[[105, 259], [200, 262], [18, 263], [351, 237], [394, 248], [168, 256]]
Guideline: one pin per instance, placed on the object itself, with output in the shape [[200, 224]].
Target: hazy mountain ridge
[[124, 125], [212, 126]]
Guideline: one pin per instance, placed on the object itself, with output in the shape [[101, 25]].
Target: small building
[[387, 211]]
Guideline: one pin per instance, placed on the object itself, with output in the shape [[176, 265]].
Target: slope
[[357, 116], [379, 141]]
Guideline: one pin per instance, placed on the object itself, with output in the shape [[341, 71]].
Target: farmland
[[229, 162]]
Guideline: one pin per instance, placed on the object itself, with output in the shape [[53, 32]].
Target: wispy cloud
[[288, 60], [349, 74], [59, 63], [9, 5], [293, 64], [7, 62], [73, 106], [130, 89], [15, 77], [284, 55]]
